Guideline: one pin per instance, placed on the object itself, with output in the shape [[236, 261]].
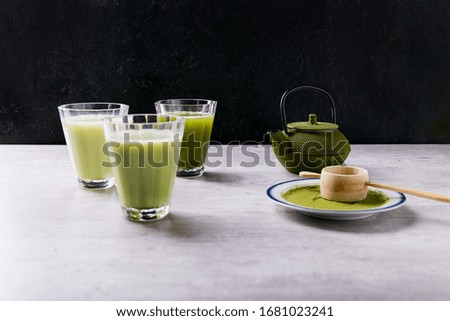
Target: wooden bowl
[[344, 183]]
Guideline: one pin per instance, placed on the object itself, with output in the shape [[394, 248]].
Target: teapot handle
[[299, 88]]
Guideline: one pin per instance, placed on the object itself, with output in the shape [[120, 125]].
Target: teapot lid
[[312, 125]]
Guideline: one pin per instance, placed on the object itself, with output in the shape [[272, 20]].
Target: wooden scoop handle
[[411, 191], [309, 175]]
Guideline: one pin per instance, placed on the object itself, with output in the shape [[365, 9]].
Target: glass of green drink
[[144, 152], [199, 117], [83, 129]]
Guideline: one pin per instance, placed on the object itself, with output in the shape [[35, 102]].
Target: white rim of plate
[[396, 201]]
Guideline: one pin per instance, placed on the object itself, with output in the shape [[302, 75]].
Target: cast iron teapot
[[309, 145]]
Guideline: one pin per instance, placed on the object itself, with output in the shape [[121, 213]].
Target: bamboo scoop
[[349, 184]]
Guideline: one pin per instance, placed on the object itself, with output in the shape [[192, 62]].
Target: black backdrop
[[386, 63]]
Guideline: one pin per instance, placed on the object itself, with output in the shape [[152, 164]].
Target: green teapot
[[309, 145]]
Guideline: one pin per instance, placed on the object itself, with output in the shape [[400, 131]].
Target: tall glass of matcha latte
[[83, 129], [143, 154], [199, 117]]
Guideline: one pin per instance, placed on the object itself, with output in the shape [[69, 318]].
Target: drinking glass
[[199, 117], [144, 152], [83, 129]]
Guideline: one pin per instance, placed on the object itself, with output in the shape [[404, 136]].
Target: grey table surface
[[224, 239]]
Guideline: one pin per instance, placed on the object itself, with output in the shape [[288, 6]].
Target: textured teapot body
[[309, 151], [311, 145]]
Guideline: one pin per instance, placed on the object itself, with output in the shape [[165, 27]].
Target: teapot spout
[[278, 136], [281, 145]]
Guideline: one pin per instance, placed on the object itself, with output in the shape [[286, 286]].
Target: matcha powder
[[309, 196]]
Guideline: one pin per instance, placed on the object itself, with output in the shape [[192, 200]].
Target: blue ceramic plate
[[274, 193]]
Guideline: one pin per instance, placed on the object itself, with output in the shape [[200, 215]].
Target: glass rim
[[200, 102], [68, 106], [110, 120]]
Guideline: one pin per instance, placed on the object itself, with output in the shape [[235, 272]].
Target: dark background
[[386, 63]]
